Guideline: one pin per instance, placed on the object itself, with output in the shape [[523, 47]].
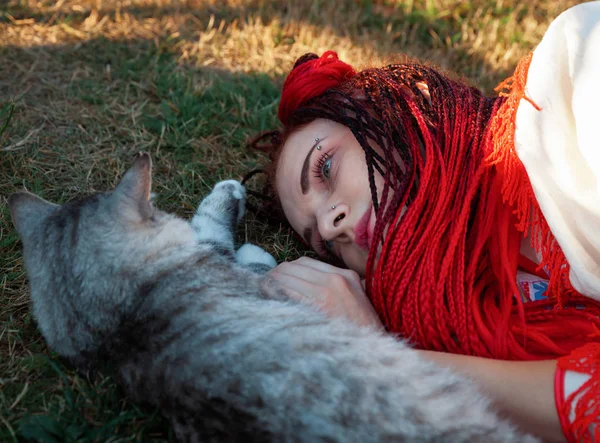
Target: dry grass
[[86, 84]]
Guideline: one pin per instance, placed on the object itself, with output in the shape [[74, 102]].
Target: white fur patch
[[250, 253], [215, 233]]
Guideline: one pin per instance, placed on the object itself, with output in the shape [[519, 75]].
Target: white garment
[[560, 145]]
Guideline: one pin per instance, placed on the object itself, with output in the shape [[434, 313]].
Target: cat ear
[[137, 183], [28, 211]]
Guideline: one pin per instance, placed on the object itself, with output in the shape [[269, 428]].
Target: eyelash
[[318, 167], [325, 251]]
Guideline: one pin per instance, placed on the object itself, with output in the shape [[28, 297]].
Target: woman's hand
[[337, 292]]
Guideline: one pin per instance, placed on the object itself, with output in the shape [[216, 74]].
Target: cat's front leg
[[218, 214]]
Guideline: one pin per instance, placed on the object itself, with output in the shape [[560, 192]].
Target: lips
[[363, 232]]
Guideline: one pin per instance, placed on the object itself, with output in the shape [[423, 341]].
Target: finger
[[295, 287], [330, 269], [318, 265], [322, 266], [306, 273]]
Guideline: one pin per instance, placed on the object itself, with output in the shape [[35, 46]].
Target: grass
[[86, 84]]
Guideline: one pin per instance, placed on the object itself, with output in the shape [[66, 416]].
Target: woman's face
[[323, 185]]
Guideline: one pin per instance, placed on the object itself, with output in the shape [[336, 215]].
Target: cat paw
[[234, 191], [250, 254]]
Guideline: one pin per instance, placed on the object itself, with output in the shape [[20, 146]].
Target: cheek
[[295, 220], [379, 184], [287, 204], [357, 182], [291, 215], [355, 172]]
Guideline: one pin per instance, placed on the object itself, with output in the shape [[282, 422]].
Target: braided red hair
[[445, 275], [310, 77]]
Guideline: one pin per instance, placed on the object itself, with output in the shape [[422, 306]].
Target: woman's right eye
[[326, 249]]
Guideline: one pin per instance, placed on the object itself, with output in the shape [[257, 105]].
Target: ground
[[84, 85]]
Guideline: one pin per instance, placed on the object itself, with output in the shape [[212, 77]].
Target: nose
[[333, 223]]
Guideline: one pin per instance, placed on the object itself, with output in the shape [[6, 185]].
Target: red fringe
[[585, 427], [516, 189]]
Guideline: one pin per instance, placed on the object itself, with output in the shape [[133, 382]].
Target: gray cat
[[192, 327]]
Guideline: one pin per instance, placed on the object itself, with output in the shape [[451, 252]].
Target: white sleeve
[[560, 145]]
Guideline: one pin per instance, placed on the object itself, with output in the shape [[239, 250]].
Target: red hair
[[310, 77], [444, 276]]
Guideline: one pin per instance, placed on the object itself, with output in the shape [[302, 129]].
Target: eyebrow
[[304, 184]]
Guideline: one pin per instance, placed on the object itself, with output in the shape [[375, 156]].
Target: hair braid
[[443, 261]]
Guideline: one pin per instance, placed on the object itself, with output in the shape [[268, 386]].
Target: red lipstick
[[362, 231]]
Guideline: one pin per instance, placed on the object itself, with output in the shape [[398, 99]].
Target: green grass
[[85, 85]]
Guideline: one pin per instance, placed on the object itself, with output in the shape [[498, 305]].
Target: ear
[[135, 186], [28, 211]]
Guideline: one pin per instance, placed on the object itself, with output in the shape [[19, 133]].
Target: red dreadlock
[[445, 275]]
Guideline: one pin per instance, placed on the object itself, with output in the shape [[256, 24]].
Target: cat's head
[[89, 243]]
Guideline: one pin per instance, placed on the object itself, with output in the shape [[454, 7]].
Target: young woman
[[474, 221]]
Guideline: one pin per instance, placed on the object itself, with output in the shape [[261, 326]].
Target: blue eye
[[322, 168], [326, 170]]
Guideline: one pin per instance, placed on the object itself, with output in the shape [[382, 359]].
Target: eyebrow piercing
[[319, 148], [317, 139], [332, 206]]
